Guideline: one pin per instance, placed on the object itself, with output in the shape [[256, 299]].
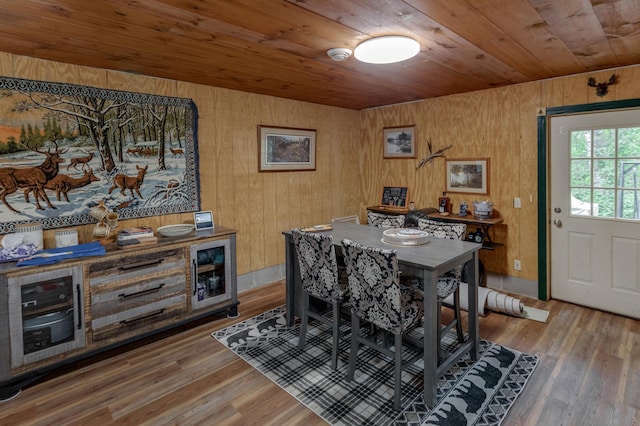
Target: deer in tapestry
[[31, 179], [132, 183]]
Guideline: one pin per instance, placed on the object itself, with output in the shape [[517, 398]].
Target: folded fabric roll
[[45, 257]]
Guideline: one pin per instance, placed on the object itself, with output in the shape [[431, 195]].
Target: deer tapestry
[[65, 148]]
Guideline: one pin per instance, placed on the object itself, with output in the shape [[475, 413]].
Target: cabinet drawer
[[139, 319], [122, 296], [134, 267]]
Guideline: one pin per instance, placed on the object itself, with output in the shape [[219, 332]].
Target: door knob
[[557, 223]]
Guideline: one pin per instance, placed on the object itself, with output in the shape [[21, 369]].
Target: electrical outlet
[[517, 203], [516, 265]]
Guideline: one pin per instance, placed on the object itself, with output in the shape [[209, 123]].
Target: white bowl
[[175, 230]]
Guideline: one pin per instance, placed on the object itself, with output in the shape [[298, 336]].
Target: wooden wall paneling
[[526, 243], [6, 65], [628, 86], [576, 90]]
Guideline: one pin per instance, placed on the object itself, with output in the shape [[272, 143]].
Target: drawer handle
[[143, 317], [141, 264], [141, 293]]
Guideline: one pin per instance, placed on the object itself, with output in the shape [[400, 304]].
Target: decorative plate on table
[[175, 230], [405, 237]]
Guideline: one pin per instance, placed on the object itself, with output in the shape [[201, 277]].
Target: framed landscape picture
[[286, 149], [467, 176], [399, 142]]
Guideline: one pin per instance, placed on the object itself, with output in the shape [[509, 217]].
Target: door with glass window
[[595, 210]]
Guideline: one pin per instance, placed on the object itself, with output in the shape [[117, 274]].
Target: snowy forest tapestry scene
[[66, 148]]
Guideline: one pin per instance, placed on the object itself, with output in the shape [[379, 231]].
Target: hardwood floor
[[588, 374]]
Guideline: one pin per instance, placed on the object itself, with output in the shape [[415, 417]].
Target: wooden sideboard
[[57, 314]]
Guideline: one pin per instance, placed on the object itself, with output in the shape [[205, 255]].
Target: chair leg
[[397, 372], [336, 334], [353, 354], [456, 313], [305, 320]]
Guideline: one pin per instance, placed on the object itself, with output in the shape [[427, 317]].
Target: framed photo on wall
[[399, 142], [286, 149], [467, 175]]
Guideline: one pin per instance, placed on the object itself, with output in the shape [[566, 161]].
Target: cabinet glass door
[[211, 273], [46, 314]]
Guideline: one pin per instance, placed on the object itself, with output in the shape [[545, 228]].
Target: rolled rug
[[489, 299]]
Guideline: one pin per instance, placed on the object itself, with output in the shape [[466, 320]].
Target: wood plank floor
[[588, 374]]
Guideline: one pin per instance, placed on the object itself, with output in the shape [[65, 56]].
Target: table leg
[[431, 343], [474, 331]]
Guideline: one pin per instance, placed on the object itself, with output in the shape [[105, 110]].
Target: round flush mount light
[[339, 53], [387, 49]]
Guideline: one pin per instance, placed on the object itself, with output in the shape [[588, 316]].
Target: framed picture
[[286, 149], [399, 142], [395, 196], [467, 175]]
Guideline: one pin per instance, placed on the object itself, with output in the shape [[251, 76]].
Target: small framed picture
[[395, 197], [203, 220], [469, 176], [399, 142]]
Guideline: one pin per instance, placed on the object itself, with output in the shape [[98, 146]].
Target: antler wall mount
[[602, 88], [432, 155]]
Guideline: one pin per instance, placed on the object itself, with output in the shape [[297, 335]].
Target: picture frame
[[399, 142], [470, 176], [286, 149], [395, 197], [203, 220]]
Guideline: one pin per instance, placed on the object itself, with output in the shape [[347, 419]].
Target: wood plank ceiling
[[278, 47]]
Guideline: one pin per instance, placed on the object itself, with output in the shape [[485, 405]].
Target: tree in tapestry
[[66, 148]]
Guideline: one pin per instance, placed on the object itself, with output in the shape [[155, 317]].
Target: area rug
[[478, 393]]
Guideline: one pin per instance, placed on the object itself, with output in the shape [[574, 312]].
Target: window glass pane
[[629, 200], [605, 200], [629, 174], [580, 173], [581, 144], [629, 142], [604, 173], [604, 143], [581, 201]]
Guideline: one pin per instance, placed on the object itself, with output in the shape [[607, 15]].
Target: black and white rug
[[478, 393]]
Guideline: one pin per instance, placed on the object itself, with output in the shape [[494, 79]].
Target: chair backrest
[[318, 265], [347, 219], [374, 284], [452, 231], [438, 229], [385, 221]]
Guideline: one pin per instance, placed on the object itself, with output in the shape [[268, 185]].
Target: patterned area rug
[[479, 394]]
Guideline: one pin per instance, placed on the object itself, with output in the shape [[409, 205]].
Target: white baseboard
[[512, 284]]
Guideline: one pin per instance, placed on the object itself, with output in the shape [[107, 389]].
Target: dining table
[[428, 260]]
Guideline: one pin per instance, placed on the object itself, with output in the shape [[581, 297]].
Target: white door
[[595, 210]]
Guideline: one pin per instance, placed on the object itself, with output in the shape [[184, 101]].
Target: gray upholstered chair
[[322, 279], [449, 283], [385, 221], [378, 296]]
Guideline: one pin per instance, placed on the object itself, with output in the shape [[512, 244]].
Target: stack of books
[[136, 236]]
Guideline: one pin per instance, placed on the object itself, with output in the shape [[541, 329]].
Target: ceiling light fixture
[[387, 49], [339, 53]]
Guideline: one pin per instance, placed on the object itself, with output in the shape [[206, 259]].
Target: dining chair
[[449, 283], [323, 279], [385, 221], [378, 296]]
